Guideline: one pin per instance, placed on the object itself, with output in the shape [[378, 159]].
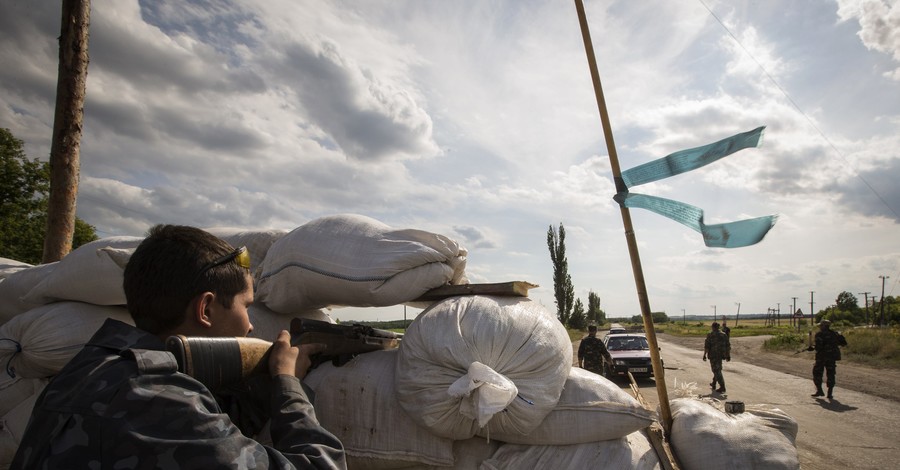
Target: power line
[[797, 107]]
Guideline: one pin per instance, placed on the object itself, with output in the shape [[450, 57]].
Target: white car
[[630, 353]]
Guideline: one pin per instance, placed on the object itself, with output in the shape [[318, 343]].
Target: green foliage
[[563, 290], [847, 302], [24, 193], [595, 314], [578, 319], [785, 341]]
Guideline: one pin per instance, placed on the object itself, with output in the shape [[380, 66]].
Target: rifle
[[221, 361]]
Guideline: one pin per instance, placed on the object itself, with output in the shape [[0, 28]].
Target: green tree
[[563, 290], [578, 319], [847, 302], [24, 191], [595, 314]]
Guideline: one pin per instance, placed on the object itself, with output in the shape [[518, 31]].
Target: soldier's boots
[[819, 392], [830, 396]]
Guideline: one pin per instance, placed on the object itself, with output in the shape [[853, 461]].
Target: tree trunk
[[67, 122]]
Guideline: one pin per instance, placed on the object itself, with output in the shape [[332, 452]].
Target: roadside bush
[[782, 341]]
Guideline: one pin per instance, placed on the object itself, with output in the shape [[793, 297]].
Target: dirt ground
[[884, 383]]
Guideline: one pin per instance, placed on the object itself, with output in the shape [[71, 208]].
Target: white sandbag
[[515, 337], [8, 446], [353, 260], [91, 273], [9, 266], [17, 285], [257, 241], [50, 335], [704, 436], [14, 390], [467, 454], [590, 409], [16, 420], [633, 452], [358, 403], [267, 324]]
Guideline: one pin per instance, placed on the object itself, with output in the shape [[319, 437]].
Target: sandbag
[[467, 455], [512, 336], [353, 260], [14, 390], [590, 409], [267, 324], [703, 436], [17, 285], [38, 343], [257, 241], [633, 451], [9, 266], [88, 274], [357, 402]]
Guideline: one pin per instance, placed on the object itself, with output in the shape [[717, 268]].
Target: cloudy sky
[[477, 120]]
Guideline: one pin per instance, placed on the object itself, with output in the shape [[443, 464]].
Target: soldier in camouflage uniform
[[121, 403], [717, 347], [592, 352], [828, 352]]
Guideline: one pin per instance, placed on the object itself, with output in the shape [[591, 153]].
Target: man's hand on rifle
[[704, 358], [291, 360]]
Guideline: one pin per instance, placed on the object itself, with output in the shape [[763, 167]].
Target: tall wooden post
[[67, 121], [658, 371]]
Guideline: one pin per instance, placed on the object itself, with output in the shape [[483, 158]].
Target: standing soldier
[[828, 352], [592, 352], [717, 347]]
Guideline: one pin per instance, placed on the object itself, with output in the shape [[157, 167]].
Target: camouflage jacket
[[717, 346], [828, 344], [120, 403], [592, 351]]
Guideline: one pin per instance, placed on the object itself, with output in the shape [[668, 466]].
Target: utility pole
[[867, 306], [738, 316], [778, 315], [812, 315], [794, 321], [683, 317], [881, 323]]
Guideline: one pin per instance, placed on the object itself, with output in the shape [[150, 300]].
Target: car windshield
[[631, 343]]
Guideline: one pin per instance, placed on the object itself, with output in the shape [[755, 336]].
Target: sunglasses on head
[[241, 255]]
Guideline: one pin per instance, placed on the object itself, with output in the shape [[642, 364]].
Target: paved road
[[855, 430]]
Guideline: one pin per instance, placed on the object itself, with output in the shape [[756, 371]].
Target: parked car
[[630, 353], [616, 329]]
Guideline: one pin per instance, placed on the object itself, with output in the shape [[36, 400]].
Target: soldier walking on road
[[717, 347], [592, 352], [828, 352]]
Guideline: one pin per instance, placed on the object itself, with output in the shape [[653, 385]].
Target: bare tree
[[67, 125]]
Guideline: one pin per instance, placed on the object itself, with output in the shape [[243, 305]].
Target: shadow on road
[[834, 405]]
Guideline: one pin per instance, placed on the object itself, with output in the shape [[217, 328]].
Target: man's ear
[[202, 309]]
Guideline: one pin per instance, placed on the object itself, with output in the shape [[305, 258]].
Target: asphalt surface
[[855, 430]]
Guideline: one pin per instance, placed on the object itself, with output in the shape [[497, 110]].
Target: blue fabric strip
[[729, 235], [690, 159]]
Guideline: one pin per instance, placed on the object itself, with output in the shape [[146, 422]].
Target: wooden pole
[[71, 86], [658, 371]]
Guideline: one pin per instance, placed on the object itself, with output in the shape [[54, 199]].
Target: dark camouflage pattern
[[717, 346], [120, 403], [592, 351], [828, 352]]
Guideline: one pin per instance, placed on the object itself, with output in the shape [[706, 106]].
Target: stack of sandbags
[[353, 260], [483, 365], [18, 280], [704, 436], [633, 452]]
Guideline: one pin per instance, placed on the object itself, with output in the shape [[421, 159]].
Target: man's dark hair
[[592, 328], [162, 277], [715, 325]]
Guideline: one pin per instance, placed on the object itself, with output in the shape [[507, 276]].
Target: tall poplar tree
[[563, 290]]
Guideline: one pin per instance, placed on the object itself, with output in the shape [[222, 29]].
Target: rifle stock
[[221, 361]]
